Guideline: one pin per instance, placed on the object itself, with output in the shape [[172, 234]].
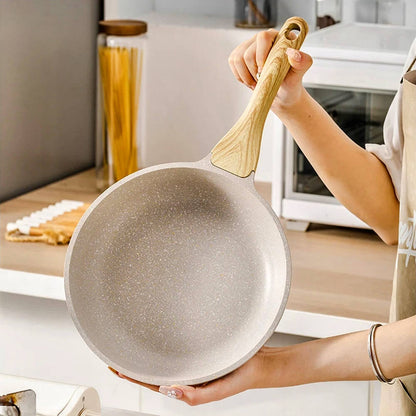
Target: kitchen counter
[[119, 412], [341, 279]]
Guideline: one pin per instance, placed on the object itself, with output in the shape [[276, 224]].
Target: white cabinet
[[191, 97], [39, 340], [42, 342]]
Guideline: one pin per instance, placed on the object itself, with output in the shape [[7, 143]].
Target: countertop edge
[[32, 284], [317, 325], [293, 322]]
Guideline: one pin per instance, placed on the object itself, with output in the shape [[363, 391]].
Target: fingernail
[[171, 392], [294, 54]]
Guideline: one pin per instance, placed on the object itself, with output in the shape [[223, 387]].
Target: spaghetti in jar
[[119, 127]]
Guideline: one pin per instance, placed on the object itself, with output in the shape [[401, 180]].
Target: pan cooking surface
[[177, 275]]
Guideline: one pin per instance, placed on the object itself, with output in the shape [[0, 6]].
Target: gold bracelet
[[373, 357]]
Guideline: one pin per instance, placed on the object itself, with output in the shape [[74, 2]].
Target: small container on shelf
[[255, 13], [119, 127], [328, 12]]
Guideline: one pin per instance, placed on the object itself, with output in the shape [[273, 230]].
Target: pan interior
[[177, 275]]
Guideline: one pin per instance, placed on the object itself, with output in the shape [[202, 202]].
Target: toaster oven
[[355, 81]]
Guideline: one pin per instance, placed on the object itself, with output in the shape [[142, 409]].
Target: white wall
[[126, 9], [192, 96]]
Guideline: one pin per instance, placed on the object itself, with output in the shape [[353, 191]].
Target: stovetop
[[21, 396]]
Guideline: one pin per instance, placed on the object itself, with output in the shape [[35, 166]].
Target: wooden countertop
[[336, 271]]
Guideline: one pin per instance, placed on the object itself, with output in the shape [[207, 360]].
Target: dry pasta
[[121, 71]]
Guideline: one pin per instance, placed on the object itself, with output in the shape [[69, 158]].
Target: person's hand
[[338, 358], [247, 60], [255, 373]]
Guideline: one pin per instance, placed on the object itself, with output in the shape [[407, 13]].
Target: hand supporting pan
[[179, 273]]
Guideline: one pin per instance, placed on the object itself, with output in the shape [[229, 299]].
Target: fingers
[[247, 59], [229, 385], [300, 62], [237, 64], [215, 390], [244, 74], [205, 393], [235, 382], [264, 43]]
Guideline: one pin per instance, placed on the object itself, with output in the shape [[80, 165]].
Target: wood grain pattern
[[238, 151], [336, 271]]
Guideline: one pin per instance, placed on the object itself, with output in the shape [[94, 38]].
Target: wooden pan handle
[[238, 151]]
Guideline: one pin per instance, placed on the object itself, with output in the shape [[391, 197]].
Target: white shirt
[[391, 152]]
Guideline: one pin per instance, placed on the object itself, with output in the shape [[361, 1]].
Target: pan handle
[[238, 151]]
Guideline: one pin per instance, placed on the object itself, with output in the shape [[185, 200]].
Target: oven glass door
[[359, 113]]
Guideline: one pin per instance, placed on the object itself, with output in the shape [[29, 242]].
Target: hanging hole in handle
[[292, 32]]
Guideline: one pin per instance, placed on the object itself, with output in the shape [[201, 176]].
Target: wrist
[[327, 359], [285, 367], [286, 105]]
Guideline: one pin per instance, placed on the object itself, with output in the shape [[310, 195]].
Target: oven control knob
[[9, 409]]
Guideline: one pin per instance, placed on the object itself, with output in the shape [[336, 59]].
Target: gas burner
[[21, 396]]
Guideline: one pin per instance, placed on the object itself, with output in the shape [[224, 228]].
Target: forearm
[[345, 357], [357, 178]]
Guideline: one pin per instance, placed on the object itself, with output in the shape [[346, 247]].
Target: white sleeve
[[391, 152]]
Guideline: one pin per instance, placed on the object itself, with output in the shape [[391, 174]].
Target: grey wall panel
[[47, 91]]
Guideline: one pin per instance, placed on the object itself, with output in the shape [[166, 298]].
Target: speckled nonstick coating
[[178, 273]]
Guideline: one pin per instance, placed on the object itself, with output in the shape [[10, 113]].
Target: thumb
[[300, 62]]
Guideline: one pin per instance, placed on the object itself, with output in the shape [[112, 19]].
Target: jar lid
[[122, 27]]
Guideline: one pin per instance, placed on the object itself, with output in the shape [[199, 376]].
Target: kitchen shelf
[[195, 21], [341, 278]]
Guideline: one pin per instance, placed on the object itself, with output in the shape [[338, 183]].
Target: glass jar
[[255, 13], [119, 124]]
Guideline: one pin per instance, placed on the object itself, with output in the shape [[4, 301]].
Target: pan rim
[[204, 165]]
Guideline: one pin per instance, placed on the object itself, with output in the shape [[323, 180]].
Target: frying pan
[[179, 273]]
